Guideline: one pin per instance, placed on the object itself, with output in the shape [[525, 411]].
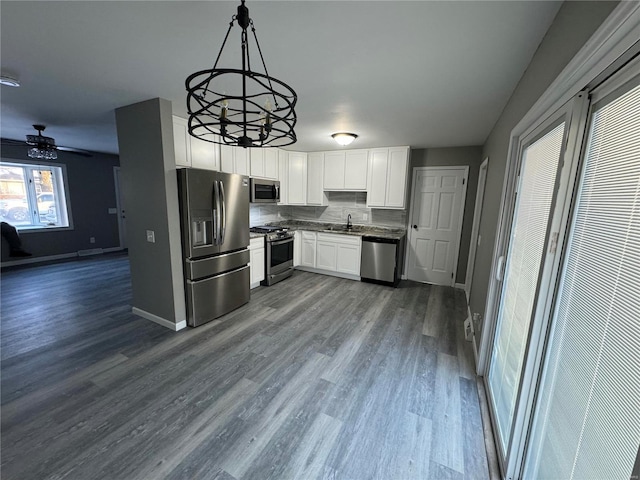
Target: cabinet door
[[283, 176], [348, 259], [226, 159], [355, 169], [334, 165], [308, 251], [271, 163], [257, 162], [204, 155], [297, 247], [257, 266], [397, 177], [326, 255], [377, 177], [241, 160], [315, 191], [297, 183], [181, 143]]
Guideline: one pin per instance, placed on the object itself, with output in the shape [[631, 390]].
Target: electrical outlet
[[151, 236], [365, 216], [92, 239]]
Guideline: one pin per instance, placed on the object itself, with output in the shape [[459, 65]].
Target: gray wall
[[452, 157], [145, 139], [91, 191], [573, 26]]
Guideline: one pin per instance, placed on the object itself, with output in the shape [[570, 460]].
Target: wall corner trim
[[159, 320]]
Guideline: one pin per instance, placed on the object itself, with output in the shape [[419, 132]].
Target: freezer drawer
[[206, 267], [213, 297]]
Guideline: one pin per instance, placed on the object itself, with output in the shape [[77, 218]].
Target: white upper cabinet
[[191, 151], [387, 177], [181, 143], [297, 178], [346, 170], [283, 176], [315, 190], [334, 170], [355, 170], [397, 177], [264, 163], [271, 163], [234, 159], [241, 160]]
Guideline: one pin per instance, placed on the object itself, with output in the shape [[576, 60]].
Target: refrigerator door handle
[[224, 213], [215, 207]]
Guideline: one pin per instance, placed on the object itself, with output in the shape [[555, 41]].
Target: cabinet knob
[[415, 227]]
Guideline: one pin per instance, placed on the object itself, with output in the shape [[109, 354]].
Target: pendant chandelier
[[241, 107], [41, 146]]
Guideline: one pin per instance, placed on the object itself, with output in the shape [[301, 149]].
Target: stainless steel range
[[279, 253]]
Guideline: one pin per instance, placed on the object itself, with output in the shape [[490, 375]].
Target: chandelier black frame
[[41, 146], [262, 115]]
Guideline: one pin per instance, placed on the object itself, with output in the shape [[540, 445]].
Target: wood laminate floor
[[317, 377]]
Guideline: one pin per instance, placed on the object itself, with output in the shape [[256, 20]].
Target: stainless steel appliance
[[265, 191], [381, 260], [278, 253], [214, 217]]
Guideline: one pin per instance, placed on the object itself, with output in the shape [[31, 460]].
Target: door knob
[[415, 227]]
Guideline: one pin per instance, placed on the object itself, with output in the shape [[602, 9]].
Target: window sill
[[42, 228]]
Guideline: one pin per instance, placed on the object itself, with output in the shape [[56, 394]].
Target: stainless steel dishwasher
[[381, 260]]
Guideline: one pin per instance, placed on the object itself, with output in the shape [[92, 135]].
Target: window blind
[[587, 420], [531, 219]]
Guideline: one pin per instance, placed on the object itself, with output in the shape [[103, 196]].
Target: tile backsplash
[[340, 205]]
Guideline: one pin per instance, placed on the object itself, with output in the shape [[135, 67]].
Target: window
[[33, 195]]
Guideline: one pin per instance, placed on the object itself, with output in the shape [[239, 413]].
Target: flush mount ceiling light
[[42, 147], [9, 81], [344, 138], [241, 107]]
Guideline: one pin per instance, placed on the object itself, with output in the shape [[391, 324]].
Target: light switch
[[151, 236], [113, 211]]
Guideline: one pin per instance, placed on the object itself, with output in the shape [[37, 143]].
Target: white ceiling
[[419, 73]]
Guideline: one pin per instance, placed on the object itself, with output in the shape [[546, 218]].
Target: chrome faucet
[[349, 226]]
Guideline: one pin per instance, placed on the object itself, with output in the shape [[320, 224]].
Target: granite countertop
[[357, 230], [256, 235]]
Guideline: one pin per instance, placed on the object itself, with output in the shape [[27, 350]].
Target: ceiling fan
[[42, 147]]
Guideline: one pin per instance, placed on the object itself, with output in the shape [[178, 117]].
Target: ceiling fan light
[[344, 138]]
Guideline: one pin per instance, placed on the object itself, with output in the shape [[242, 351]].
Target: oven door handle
[[281, 242]]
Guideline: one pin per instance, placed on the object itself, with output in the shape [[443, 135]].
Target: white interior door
[[436, 223]]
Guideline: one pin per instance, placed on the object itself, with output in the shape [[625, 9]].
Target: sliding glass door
[[541, 156], [587, 419]]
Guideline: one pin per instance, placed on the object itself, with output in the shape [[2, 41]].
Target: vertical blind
[[531, 218], [587, 420]]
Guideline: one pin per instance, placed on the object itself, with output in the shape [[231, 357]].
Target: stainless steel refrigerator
[[214, 211]]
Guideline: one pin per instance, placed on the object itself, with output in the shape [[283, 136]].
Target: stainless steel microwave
[[265, 191]]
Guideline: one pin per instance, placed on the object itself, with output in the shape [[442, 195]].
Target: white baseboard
[[459, 285], [473, 336], [159, 320]]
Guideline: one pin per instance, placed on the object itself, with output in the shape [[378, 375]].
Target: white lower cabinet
[[308, 249], [331, 253], [256, 252], [326, 253], [297, 247]]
